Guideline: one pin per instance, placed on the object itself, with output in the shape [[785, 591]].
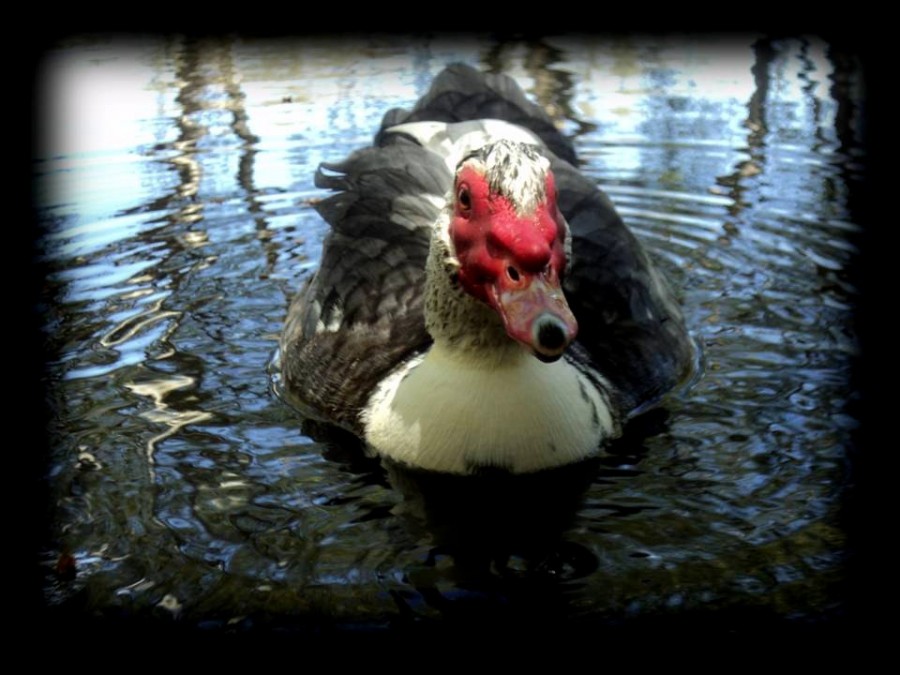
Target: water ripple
[[176, 235]]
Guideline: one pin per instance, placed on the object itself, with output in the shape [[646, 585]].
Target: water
[[173, 187]]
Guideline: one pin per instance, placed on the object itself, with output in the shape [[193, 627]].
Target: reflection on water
[[174, 183]]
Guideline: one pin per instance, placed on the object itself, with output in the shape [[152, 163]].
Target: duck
[[479, 303]]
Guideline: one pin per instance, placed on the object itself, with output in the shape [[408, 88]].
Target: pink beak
[[536, 315]]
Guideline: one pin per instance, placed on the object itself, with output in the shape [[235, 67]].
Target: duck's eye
[[513, 273], [463, 198]]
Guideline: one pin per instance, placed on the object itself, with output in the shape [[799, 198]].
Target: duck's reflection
[[492, 545], [493, 523], [499, 552], [497, 523], [488, 524]]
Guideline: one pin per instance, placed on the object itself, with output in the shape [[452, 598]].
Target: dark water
[[173, 184]]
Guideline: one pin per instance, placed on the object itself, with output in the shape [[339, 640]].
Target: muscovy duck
[[479, 302]]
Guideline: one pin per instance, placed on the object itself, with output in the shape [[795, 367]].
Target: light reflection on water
[[174, 189]]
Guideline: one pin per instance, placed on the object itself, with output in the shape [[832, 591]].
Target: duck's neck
[[477, 398], [455, 320]]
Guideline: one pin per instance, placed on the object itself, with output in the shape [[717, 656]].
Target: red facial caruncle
[[513, 258]]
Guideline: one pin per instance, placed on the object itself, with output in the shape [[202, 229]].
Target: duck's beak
[[536, 314]]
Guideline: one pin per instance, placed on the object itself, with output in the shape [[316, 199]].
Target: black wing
[[630, 328], [461, 93], [362, 312]]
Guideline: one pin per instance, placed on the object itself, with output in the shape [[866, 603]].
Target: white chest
[[446, 413]]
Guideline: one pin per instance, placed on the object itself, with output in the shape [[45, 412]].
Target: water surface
[[174, 189]]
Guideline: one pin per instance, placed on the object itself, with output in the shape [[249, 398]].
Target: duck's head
[[509, 238]]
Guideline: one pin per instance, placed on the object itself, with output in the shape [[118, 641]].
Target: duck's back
[[361, 315]]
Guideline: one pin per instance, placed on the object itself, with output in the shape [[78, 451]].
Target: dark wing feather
[[630, 327], [362, 312], [461, 93]]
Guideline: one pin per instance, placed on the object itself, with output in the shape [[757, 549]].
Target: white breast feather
[[446, 414]]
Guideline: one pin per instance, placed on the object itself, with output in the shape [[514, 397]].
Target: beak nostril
[[551, 335]]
